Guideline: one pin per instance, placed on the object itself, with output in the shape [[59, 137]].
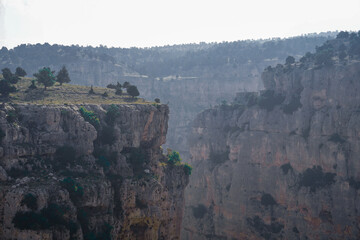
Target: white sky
[[144, 23]]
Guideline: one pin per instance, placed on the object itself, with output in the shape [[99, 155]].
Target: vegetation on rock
[[63, 76], [46, 77], [90, 117]]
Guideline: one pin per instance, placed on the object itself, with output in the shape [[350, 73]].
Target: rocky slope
[[90, 172], [283, 163]]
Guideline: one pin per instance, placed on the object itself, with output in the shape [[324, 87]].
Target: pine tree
[[45, 76], [132, 91], [63, 76], [20, 72]]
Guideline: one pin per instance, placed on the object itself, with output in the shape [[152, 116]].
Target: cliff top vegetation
[[67, 94]]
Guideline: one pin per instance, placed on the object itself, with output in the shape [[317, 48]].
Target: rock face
[[99, 174], [280, 164]]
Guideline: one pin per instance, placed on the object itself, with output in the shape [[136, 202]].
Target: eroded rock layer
[[90, 172]]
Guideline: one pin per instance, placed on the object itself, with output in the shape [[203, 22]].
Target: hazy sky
[[126, 23]]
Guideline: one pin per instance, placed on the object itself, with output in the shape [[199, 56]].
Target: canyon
[[281, 163]]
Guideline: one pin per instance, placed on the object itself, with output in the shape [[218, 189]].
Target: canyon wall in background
[[282, 163]]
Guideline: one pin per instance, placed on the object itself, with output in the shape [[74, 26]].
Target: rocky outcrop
[[87, 172], [283, 163]]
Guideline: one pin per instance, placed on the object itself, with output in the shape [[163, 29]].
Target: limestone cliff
[[283, 163], [87, 172]]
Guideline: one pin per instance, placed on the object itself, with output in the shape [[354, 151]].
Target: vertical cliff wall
[[87, 172], [283, 163]]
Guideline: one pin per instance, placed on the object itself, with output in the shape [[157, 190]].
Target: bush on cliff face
[[90, 117], [187, 169], [173, 157], [269, 99], [104, 158], [112, 114], [315, 178], [75, 189]]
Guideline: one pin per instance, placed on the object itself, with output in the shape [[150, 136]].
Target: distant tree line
[[163, 61], [345, 46]]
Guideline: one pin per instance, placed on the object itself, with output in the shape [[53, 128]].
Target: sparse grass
[[68, 94]]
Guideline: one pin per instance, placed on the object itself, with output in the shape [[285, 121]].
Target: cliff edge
[[87, 172]]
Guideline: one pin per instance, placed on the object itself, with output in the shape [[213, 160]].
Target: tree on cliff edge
[[45, 76], [63, 76], [132, 91]]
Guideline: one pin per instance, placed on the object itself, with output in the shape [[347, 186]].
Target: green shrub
[[30, 201], [90, 117], [75, 189], [112, 114], [187, 169], [173, 157]]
